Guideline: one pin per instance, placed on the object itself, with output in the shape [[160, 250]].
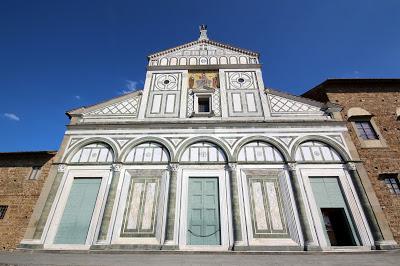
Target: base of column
[[386, 245], [312, 248]]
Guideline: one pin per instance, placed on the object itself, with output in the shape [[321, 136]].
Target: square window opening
[[392, 183], [204, 104], [365, 130]]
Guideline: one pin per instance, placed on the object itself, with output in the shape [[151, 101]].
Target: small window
[[365, 130], [3, 209], [204, 105], [392, 183], [34, 173]]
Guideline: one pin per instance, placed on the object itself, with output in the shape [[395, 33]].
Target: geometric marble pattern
[[129, 106], [338, 138], [203, 52], [281, 104], [266, 204], [287, 140]]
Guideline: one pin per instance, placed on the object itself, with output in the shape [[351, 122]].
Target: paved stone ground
[[232, 259]]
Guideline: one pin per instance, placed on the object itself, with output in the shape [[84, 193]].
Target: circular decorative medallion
[[166, 82], [241, 80]]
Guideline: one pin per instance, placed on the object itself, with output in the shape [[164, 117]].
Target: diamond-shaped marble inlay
[[281, 104], [216, 103], [129, 106]]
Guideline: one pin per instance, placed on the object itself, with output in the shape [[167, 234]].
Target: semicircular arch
[[83, 143], [344, 156], [187, 143], [281, 149], [136, 142]]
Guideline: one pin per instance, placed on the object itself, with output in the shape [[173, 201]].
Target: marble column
[[304, 224], [236, 223], [362, 195], [116, 173], [169, 234]]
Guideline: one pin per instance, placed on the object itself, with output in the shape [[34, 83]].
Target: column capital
[[231, 167], [61, 168], [292, 166], [350, 166], [173, 167], [116, 167]]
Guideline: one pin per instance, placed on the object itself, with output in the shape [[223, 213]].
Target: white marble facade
[[146, 145]]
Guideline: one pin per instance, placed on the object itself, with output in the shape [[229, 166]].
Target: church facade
[[204, 158]]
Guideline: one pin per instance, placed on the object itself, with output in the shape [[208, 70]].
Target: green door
[[78, 211], [331, 204], [203, 212]]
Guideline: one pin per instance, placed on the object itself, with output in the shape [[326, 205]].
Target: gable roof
[[85, 109], [302, 99]]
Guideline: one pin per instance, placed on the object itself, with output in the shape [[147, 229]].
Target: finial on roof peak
[[203, 32]]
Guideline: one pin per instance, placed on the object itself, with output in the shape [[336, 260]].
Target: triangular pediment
[[203, 52], [125, 105], [285, 104]]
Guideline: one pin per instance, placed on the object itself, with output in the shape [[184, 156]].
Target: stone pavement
[[196, 259]]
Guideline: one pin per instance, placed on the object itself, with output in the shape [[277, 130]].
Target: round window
[[166, 81], [240, 80]]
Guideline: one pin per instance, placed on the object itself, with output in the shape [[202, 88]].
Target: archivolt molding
[[183, 146], [131, 144], [80, 144], [282, 149], [336, 146]]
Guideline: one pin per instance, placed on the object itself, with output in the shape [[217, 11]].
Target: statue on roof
[[203, 32]]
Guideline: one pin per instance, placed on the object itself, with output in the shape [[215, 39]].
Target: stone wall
[[19, 193], [381, 100]]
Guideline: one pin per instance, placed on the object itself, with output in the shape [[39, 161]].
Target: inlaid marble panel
[[141, 207], [267, 209]]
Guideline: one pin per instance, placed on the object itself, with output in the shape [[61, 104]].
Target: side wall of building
[[380, 160], [381, 101], [19, 193]]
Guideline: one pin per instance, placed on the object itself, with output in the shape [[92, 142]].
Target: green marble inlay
[[171, 207], [237, 230]]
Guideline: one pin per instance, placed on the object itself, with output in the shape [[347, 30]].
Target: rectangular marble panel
[[249, 154], [103, 155], [259, 209], [85, 155], [139, 155], [156, 107], [134, 206], [169, 108], [273, 206], [148, 206], [237, 104], [326, 153], [259, 154], [251, 103], [316, 152]]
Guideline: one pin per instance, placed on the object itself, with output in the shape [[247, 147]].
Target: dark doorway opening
[[337, 227]]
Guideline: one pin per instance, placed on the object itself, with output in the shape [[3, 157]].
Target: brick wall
[[19, 193], [381, 101]]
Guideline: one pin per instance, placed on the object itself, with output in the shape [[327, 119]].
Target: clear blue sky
[[58, 55]]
